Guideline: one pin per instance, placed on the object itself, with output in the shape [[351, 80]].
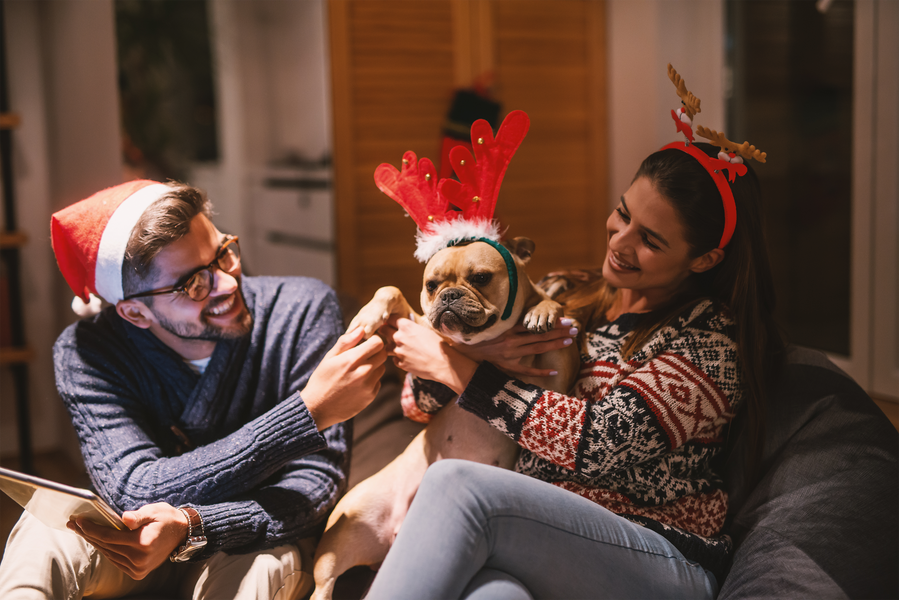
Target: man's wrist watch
[[196, 536]]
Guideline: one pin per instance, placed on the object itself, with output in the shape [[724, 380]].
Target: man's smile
[[222, 307]]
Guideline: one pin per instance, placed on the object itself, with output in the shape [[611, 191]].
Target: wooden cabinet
[[395, 66]]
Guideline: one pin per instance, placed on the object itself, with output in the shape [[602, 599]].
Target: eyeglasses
[[199, 283]]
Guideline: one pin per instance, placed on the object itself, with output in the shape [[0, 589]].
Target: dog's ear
[[521, 247]]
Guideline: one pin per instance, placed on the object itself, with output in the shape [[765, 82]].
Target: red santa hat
[[90, 236]]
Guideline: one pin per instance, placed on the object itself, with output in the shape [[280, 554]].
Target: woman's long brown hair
[[742, 281]]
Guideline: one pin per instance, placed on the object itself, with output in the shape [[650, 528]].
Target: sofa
[[823, 519]]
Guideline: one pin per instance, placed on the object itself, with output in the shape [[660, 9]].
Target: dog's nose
[[449, 296]]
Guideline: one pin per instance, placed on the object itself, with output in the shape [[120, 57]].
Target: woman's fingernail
[[553, 373], [567, 342], [565, 321], [572, 331]]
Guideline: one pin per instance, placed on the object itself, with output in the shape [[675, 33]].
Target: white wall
[[62, 80], [643, 37], [32, 192], [273, 96]]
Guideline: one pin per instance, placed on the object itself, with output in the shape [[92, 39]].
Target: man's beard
[[207, 331]]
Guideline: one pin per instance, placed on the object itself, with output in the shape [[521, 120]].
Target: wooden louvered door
[[395, 65]]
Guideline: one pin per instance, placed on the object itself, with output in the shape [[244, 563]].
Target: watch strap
[[194, 521], [196, 536]]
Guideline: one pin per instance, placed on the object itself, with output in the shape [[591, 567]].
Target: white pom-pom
[[682, 115], [86, 310], [734, 160]]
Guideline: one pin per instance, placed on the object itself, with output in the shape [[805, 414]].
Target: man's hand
[[155, 531], [347, 379]]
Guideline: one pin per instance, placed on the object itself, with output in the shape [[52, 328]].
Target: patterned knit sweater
[[638, 436]]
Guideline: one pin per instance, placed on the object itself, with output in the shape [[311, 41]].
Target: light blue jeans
[[478, 532]]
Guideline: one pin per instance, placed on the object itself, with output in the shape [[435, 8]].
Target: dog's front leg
[[386, 302], [365, 522]]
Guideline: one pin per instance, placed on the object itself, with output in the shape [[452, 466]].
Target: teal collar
[[510, 267]]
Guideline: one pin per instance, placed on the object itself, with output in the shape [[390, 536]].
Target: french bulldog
[[465, 297]]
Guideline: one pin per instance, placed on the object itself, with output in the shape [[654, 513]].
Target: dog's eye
[[431, 286], [481, 278]]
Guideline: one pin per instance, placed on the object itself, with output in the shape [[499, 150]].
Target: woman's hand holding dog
[[507, 350], [422, 352]]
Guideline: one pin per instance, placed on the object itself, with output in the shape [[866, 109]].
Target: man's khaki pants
[[45, 563]]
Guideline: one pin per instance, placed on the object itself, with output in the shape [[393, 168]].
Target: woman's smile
[[619, 264]]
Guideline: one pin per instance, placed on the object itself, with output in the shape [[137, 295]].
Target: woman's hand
[[424, 353], [506, 351]]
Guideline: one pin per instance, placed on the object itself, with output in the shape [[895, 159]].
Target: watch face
[[191, 547]]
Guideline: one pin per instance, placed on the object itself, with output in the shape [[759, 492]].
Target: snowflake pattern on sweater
[[636, 436]]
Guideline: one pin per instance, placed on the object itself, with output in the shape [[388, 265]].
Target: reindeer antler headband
[[448, 212], [730, 158]]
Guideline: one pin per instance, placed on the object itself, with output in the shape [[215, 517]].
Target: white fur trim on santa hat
[[111, 254], [429, 243]]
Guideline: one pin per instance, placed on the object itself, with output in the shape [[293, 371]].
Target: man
[[209, 407]]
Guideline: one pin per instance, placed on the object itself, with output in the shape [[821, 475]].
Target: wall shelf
[[10, 120], [16, 356], [13, 239]]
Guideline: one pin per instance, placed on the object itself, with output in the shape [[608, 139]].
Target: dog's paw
[[371, 317], [542, 317], [387, 300]]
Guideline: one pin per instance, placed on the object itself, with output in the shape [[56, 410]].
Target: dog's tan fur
[[463, 296]]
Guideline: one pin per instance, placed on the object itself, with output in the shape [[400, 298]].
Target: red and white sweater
[[638, 436]]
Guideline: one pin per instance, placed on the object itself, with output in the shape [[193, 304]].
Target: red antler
[[415, 189], [479, 182]]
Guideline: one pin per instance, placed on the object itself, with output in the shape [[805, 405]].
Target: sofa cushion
[[822, 521]]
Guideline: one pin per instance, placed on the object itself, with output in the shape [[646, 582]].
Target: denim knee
[[453, 473]]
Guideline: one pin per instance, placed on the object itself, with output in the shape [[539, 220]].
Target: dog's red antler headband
[[730, 158], [478, 187], [451, 210], [415, 189]]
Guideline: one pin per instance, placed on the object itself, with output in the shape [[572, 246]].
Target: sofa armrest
[[822, 521]]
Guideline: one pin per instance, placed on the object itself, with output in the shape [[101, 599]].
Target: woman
[[616, 493]]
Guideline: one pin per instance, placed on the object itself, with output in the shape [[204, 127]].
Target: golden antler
[[746, 150], [691, 102]]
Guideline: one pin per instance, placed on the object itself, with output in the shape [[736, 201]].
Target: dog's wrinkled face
[[465, 291]]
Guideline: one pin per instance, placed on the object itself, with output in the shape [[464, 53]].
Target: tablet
[[56, 504]]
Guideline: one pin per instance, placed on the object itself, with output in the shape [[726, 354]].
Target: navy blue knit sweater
[[255, 467]]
